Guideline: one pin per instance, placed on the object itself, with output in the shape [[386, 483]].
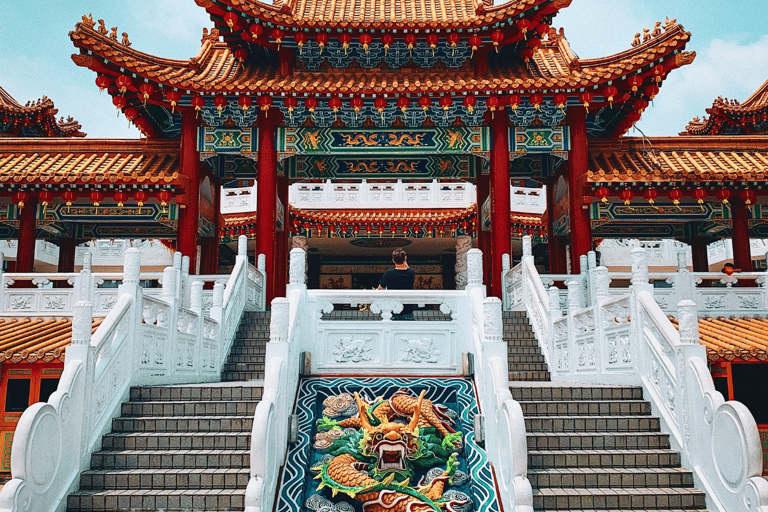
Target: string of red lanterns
[[676, 195]]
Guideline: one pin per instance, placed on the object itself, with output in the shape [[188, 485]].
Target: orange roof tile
[[35, 339], [44, 107], [215, 68], [723, 111], [73, 162], [678, 159], [731, 338]]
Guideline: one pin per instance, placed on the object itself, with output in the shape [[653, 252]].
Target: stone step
[[245, 359], [596, 440], [166, 500], [161, 479], [627, 510], [183, 424], [526, 358], [202, 392], [592, 424], [527, 367], [192, 408], [176, 441], [554, 392], [659, 458], [242, 376], [247, 351], [244, 367], [529, 376], [521, 342], [637, 498], [170, 459], [519, 350], [610, 477], [586, 408]]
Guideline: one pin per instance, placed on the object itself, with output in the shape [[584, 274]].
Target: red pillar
[[189, 165], [578, 165], [25, 252], [483, 237], [267, 197], [555, 244], [699, 254], [281, 249], [500, 203], [67, 248], [742, 251]]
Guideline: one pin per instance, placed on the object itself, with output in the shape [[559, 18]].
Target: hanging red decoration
[[120, 197], [534, 43], [748, 196], [173, 97], [523, 25], [278, 35], [514, 101], [311, 103], [410, 41], [602, 194], [561, 100], [380, 104], [198, 102], [291, 103], [699, 194], [103, 82], [626, 195], [425, 102], [445, 101], [526, 54], [675, 195], [387, 40], [609, 92], [650, 195], [146, 89], [365, 40], [335, 103], [264, 103], [219, 102], [141, 197], [131, 113], [164, 197], [256, 30], [300, 38], [493, 103], [403, 102], [723, 195], [469, 103], [658, 72], [542, 28], [322, 39], [122, 82], [633, 117], [634, 81], [120, 102], [536, 99], [231, 19], [345, 39], [20, 198], [475, 42], [69, 197], [241, 54], [585, 98], [357, 104], [97, 197], [245, 102], [454, 39], [640, 105], [432, 40], [497, 36], [651, 91], [46, 197]]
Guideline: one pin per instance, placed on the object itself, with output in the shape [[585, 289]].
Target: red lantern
[[650, 195], [278, 34], [291, 103], [231, 19], [602, 194], [131, 113], [445, 101], [454, 39], [241, 54], [514, 100], [345, 39], [335, 103], [96, 198], [497, 36], [69, 197], [633, 117], [365, 40], [403, 102], [651, 91], [46, 197], [123, 82], [432, 40], [542, 28], [640, 105], [256, 30], [526, 54], [387, 40], [561, 100], [121, 197], [410, 40], [141, 197], [425, 102], [634, 81], [493, 103], [165, 197], [475, 41], [219, 102], [380, 103], [322, 39], [120, 102], [103, 82], [723, 195], [534, 43], [20, 198], [198, 102], [626, 195], [469, 103], [300, 38], [536, 99], [523, 25], [173, 97], [146, 90], [609, 92], [657, 72], [748, 196], [264, 102], [699, 194], [585, 98], [357, 104], [675, 195], [311, 104]]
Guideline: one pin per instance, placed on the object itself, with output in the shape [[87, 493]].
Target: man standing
[[399, 278]]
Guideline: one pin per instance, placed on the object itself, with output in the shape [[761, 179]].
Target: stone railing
[[628, 340], [306, 337], [143, 340]]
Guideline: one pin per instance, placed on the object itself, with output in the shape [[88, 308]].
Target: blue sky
[[731, 43]]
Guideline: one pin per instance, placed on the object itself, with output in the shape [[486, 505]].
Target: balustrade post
[[169, 285], [553, 292], [183, 285], [474, 269], [639, 260], [133, 318], [463, 244], [688, 319], [217, 304], [506, 262], [601, 284], [297, 271], [196, 297], [242, 248], [84, 282], [527, 249], [684, 285], [492, 324], [574, 300], [196, 306]]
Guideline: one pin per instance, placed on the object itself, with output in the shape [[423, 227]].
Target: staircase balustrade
[[143, 340], [371, 341], [629, 340]]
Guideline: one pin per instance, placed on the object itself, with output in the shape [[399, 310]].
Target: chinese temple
[[35, 119]]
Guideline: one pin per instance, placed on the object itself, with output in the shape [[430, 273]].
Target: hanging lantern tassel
[[46, 197], [165, 197]]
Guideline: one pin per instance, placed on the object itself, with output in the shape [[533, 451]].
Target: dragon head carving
[[390, 443]]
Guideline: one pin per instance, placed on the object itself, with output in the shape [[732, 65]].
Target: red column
[[67, 247], [189, 166], [742, 251], [25, 252], [555, 244], [281, 249], [483, 237], [578, 165], [699, 254], [267, 197], [500, 204]]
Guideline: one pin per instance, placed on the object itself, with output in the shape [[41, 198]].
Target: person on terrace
[[399, 278]]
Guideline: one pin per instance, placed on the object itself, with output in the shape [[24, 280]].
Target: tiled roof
[[42, 107], [724, 112], [678, 159], [30, 340], [526, 219], [384, 13], [215, 68], [731, 338], [68, 162]]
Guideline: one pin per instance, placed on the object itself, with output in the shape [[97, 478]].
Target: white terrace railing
[[714, 293], [629, 340], [145, 339], [308, 334]]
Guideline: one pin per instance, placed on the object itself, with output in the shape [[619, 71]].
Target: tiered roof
[[35, 119], [731, 117]]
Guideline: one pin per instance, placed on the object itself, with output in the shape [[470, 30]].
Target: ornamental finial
[[126, 42]]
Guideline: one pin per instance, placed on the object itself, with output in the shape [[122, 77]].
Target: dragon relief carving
[[419, 350], [372, 457]]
